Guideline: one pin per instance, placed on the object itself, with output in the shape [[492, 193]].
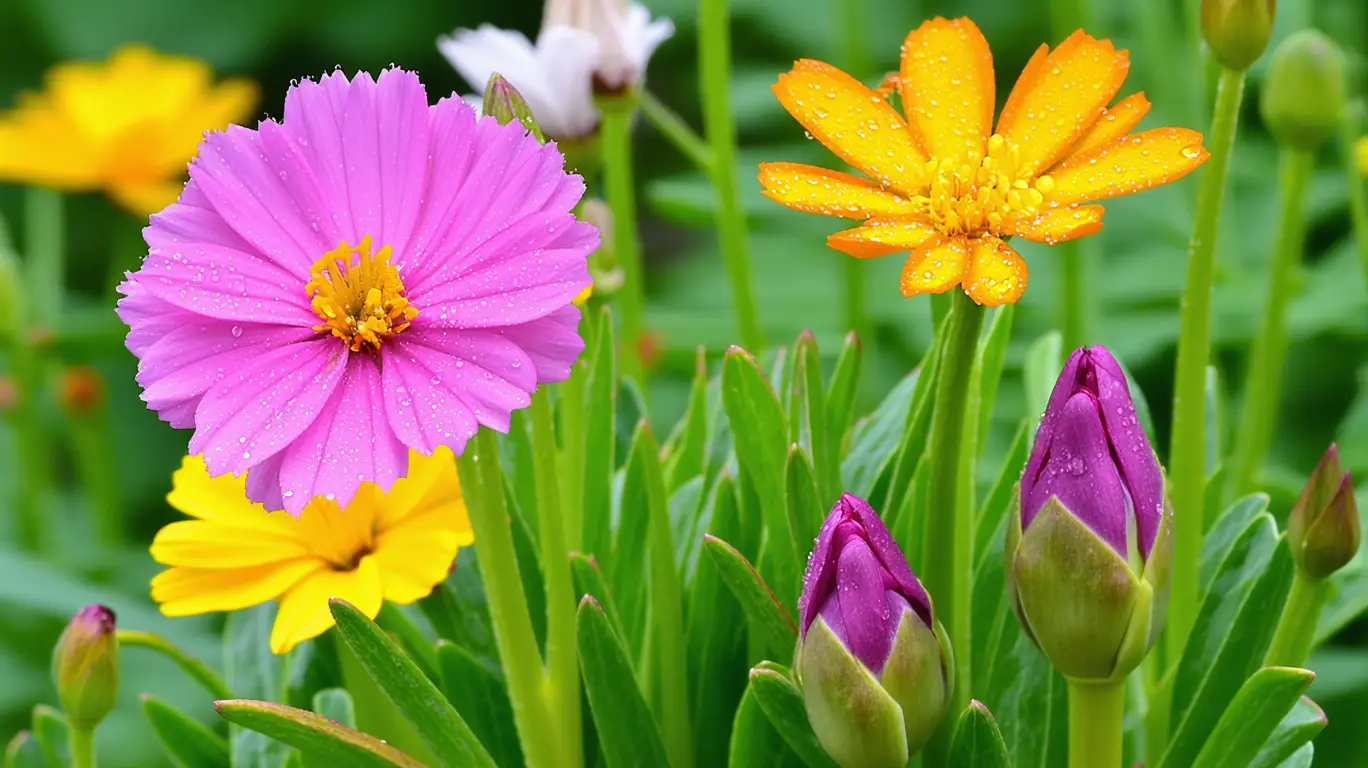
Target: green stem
[[1264, 378], [196, 669], [714, 65], [1297, 622], [675, 130], [570, 404], [1187, 449], [1073, 295], [946, 556], [82, 747], [482, 483], [34, 457], [44, 231], [561, 656], [616, 139], [91, 449], [1096, 714], [1358, 200]]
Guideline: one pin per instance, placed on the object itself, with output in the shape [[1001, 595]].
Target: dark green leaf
[[336, 705], [627, 568], [977, 741], [529, 565], [478, 693], [392, 619], [1297, 729], [1225, 534], [998, 504], [1261, 703], [840, 398], [320, 740], [251, 670], [782, 703], [186, 741], [913, 445], [459, 609], [627, 731], [589, 581], [807, 418], [599, 442], [769, 622], [403, 682], [875, 439], [805, 510]]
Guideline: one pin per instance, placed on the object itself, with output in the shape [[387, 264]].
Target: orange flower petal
[[831, 193], [852, 121], [1116, 121], [1056, 225], [1029, 73], [880, 238], [947, 87], [1061, 98], [997, 274], [1127, 165], [936, 267]]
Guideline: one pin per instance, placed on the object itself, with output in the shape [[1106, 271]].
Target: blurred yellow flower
[[1361, 152], [582, 297], [396, 546], [127, 126]]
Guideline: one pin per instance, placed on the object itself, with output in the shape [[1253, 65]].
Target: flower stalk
[[43, 215], [1297, 623], [1350, 130], [620, 192], [1096, 714], [675, 130]]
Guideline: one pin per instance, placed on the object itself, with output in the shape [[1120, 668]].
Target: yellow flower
[[948, 187], [396, 546], [1361, 151], [582, 297], [127, 126]]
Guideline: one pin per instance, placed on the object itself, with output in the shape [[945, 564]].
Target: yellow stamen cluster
[[968, 199], [359, 295]]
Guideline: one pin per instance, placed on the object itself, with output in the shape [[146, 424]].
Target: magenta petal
[[313, 112], [422, 415], [402, 158], [148, 318], [819, 579], [453, 155], [1131, 448], [487, 372], [299, 179], [1064, 388], [552, 342], [863, 605], [890, 555], [181, 223], [263, 483], [227, 285]]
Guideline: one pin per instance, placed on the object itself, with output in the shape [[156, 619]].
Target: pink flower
[[366, 275]]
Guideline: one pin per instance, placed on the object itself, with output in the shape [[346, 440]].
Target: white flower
[[583, 43]]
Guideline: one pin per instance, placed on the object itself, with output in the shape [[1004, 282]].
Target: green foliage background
[[1137, 281]]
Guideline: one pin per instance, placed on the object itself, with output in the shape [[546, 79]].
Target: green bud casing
[[1303, 95], [1323, 529], [85, 667], [1238, 30], [503, 102]]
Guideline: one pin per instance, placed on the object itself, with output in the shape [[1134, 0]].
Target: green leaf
[[1229, 638], [53, 735], [875, 439], [782, 703], [1302, 758], [335, 704], [759, 429], [627, 731], [840, 397], [805, 512], [528, 555], [600, 412], [992, 355], [186, 741], [1225, 534], [1261, 703], [977, 741], [1296, 730], [251, 670], [436, 721], [808, 420], [769, 622], [392, 619], [997, 505], [627, 566], [459, 609], [23, 752], [685, 457], [1044, 360], [1215, 420], [320, 740], [754, 741], [912, 447], [478, 693]]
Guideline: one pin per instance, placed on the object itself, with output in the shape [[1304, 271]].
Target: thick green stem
[[561, 659], [675, 130], [1264, 378], [82, 747], [482, 484], [1073, 294], [1187, 449], [1297, 623], [1096, 714], [946, 556], [196, 669], [1358, 201], [570, 405], [44, 232], [714, 74], [619, 189]]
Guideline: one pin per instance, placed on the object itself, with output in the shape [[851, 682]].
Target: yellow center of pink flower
[[969, 199], [359, 295]]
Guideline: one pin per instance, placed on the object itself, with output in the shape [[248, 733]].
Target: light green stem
[[82, 747], [675, 130], [44, 234], [1264, 378], [1187, 449], [1358, 200], [519, 656], [561, 656], [618, 187], [714, 74], [570, 405], [1297, 622], [196, 669], [1096, 714], [946, 556], [92, 449]]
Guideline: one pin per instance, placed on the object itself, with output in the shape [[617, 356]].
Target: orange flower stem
[[1350, 130], [615, 136], [1187, 461]]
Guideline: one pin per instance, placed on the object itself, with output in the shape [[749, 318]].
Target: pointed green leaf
[[1253, 715], [1230, 526], [1044, 359], [685, 456], [805, 512], [840, 399], [875, 438], [479, 694], [403, 682], [767, 618], [599, 441], [977, 741], [53, 735], [992, 355], [1297, 729], [185, 740], [998, 503], [808, 420], [912, 446], [393, 620], [626, 729], [627, 565], [754, 741], [589, 581], [23, 752], [782, 703], [251, 670], [335, 704], [316, 737]]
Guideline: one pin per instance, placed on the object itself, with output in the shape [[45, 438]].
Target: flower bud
[[875, 667], [1238, 30], [85, 667], [1323, 527], [1087, 556], [80, 390], [503, 102], [1303, 94]]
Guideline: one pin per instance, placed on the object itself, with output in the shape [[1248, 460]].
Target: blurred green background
[[1138, 275]]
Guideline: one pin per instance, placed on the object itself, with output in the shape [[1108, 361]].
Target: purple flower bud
[[1092, 454], [858, 581], [85, 666], [1323, 526]]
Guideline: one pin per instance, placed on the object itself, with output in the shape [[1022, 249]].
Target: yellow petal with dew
[[811, 189], [882, 237], [223, 499], [1127, 165], [1056, 225], [431, 483], [948, 89], [936, 267], [303, 613], [208, 544], [997, 273], [188, 591], [1114, 123]]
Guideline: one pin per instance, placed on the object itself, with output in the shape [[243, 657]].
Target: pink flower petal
[[225, 284], [488, 373], [553, 342], [313, 114], [385, 145]]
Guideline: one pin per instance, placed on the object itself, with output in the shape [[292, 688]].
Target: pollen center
[[358, 295], [967, 198]]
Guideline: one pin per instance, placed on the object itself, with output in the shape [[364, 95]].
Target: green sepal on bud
[[1303, 95], [503, 102], [1323, 528], [85, 667], [1238, 30]]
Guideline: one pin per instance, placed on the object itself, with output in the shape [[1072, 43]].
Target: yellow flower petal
[[1057, 99], [414, 561], [936, 267], [1116, 121], [880, 238], [811, 189], [1057, 225], [188, 591], [303, 612], [852, 121], [222, 498], [1127, 165], [997, 274], [948, 88], [431, 485], [205, 544], [145, 199]]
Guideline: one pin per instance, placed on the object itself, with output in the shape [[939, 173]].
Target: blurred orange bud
[[80, 390]]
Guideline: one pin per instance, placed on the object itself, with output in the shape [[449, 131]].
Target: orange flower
[[946, 186]]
